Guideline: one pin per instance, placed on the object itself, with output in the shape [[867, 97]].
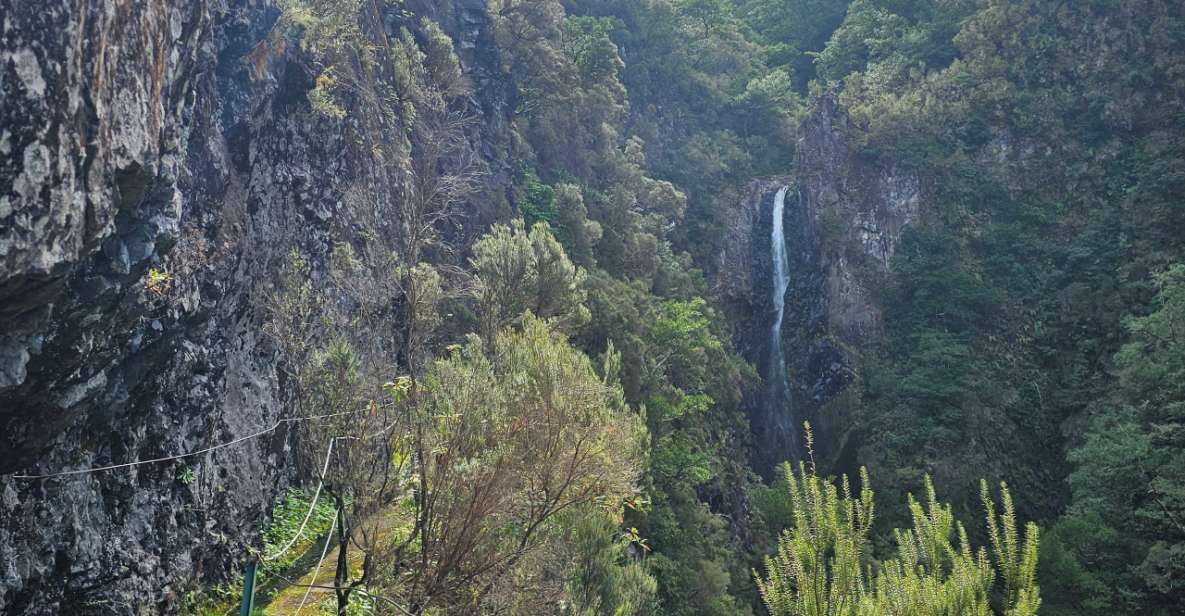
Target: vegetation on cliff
[[513, 387], [1029, 316]]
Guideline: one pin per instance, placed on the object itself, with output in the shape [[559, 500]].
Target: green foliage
[[518, 434], [1007, 313], [605, 579], [824, 564], [893, 41], [520, 271], [215, 601], [363, 605], [1079, 556], [1128, 497], [794, 31], [1050, 187], [330, 31], [186, 474], [607, 215], [158, 282], [773, 92], [579, 234], [676, 365], [452, 480], [539, 202], [286, 518], [818, 567], [586, 43]]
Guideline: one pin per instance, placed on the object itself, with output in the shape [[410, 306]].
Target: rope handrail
[[321, 482], [317, 570], [83, 471], [313, 505]]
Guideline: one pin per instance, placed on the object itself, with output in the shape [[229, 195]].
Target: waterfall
[[777, 383], [781, 279]]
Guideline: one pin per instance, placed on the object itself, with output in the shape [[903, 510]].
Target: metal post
[[248, 603]]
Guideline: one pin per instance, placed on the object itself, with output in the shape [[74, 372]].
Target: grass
[[282, 582], [287, 516]]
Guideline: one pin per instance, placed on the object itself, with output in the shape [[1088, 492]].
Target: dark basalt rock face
[[844, 216], [157, 155], [176, 137]]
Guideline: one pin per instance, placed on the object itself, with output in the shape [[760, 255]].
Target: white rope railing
[[317, 569], [111, 467]]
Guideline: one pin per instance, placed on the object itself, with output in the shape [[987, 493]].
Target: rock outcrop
[[855, 209], [158, 160], [136, 142]]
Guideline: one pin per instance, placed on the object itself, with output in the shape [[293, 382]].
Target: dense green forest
[[517, 390], [1033, 316]]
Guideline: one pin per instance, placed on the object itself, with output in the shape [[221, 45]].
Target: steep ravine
[[157, 163]]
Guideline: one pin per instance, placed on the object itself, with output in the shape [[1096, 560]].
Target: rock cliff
[[158, 160], [844, 217]]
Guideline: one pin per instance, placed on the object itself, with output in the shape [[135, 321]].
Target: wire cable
[[241, 439]]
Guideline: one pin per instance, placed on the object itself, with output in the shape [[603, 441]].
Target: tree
[[677, 367], [585, 566], [585, 42], [520, 272], [351, 410], [445, 495], [400, 103], [824, 565], [706, 14], [1129, 498], [795, 30], [575, 230], [891, 39], [606, 578], [406, 102], [516, 435]]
